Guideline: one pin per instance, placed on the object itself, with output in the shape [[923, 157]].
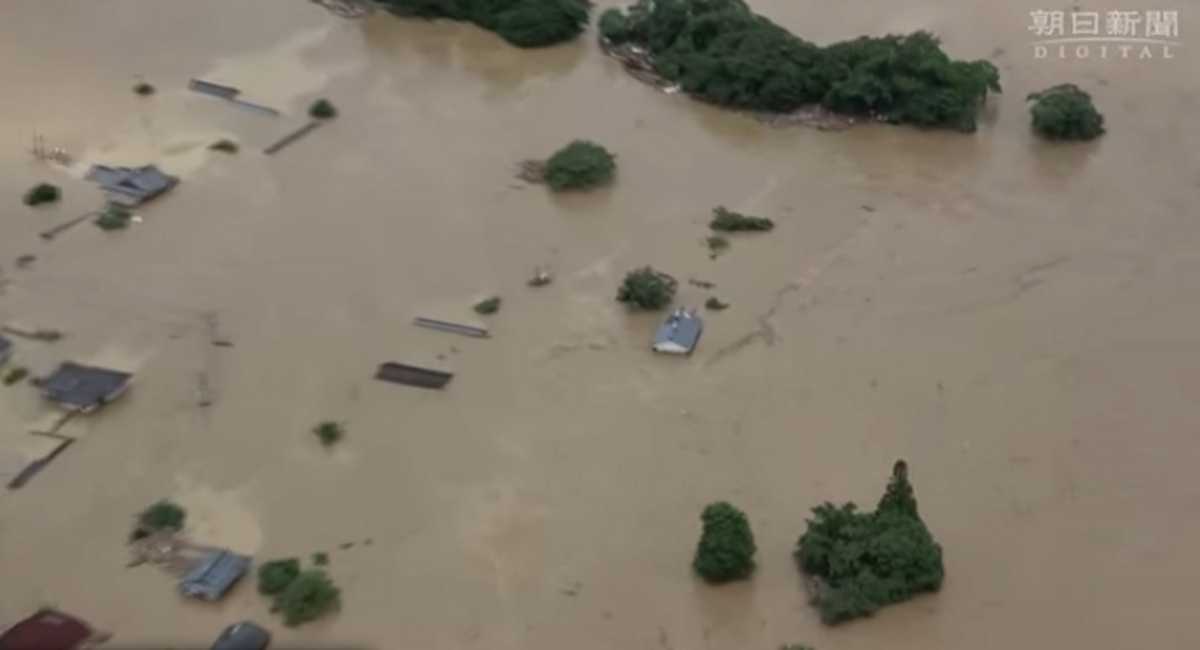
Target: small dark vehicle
[[243, 636]]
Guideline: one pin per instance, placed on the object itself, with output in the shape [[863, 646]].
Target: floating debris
[[715, 304], [25, 261], [456, 328], [292, 137], [401, 373], [541, 278], [532, 171], [701, 283], [489, 306], [224, 145]]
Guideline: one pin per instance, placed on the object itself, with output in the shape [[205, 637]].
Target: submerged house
[[131, 186], [679, 333], [49, 629], [83, 388], [6, 348], [214, 575]]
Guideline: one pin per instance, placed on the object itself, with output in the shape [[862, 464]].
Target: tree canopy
[[721, 51], [726, 549], [1065, 112], [863, 561], [647, 288], [580, 165], [524, 23]]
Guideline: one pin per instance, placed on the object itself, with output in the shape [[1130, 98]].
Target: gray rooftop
[[214, 575], [132, 185], [679, 333], [5, 345], [83, 388]]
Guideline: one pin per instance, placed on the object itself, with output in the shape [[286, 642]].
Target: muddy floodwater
[[1017, 320]]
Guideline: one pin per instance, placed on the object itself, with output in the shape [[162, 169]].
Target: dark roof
[[84, 387], [412, 375], [246, 635], [46, 630], [214, 575], [679, 332], [5, 344]]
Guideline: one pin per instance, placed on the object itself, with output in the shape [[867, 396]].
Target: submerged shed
[[214, 576], [83, 388], [48, 629], [679, 333], [131, 186]]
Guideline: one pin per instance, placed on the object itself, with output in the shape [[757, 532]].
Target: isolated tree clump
[[580, 165], [322, 109], [114, 217], [41, 193], [863, 561], [488, 306], [307, 597], [722, 52], [1065, 112], [329, 432], [276, 575], [162, 516], [730, 221], [646, 288], [726, 548], [524, 23]]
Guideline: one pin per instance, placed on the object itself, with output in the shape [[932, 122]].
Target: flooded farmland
[[1015, 319]]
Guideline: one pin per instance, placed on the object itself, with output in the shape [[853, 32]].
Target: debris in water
[[715, 304], [541, 277], [489, 306], [25, 261], [701, 283], [224, 145], [532, 171]]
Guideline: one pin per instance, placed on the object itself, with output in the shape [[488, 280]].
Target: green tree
[[524, 23], [162, 515], [276, 575], [329, 432], [730, 221], [308, 597], [864, 561], [1065, 112], [580, 165], [322, 109], [41, 193], [726, 548], [646, 288]]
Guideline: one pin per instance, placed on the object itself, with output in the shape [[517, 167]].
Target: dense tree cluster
[[864, 561], [1065, 112], [580, 165], [41, 193], [276, 575], [307, 597], [524, 23], [646, 288], [726, 548], [721, 51]]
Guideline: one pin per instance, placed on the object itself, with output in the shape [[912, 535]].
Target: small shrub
[[308, 597], [164, 515], [580, 165], [726, 548], [322, 109], [1065, 112], [144, 89], [114, 217], [716, 245], [224, 145], [41, 193], [646, 288], [15, 375], [329, 432], [320, 559], [730, 221], [489, 306], [715, 304], [276, 575]]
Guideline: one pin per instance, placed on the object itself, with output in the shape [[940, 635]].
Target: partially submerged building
[[50, 630], [131, 186], [83, 388], [215, 575], [6, 348], [679, 333]]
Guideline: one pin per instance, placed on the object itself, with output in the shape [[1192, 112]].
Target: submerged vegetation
[[309, 596], [721, 51], [716, 245], [329, 432], [714, 303], [646, 288], [144, 89], [114, 217], [164, 515], [1065, 112], [580, 165], [322, 109], [730, 221], [524, 23], [15, 375], [41, 193], [489, 306], [863, 561], [726, 549], [224, 145], [276, 575]]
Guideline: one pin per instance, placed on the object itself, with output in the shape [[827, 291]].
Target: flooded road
[[1017, 320]]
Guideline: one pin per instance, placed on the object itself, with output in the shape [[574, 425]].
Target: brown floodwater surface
[[1016, 319]]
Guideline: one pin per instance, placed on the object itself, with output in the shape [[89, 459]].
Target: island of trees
[[1065, 112], [861, 561], [721, 51], [524, 23]]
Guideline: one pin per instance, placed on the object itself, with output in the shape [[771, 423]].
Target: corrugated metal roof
[[681, 330]]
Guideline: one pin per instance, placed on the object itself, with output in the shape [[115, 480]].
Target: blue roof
[[215, 575], [84, 387], [681, 330]]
